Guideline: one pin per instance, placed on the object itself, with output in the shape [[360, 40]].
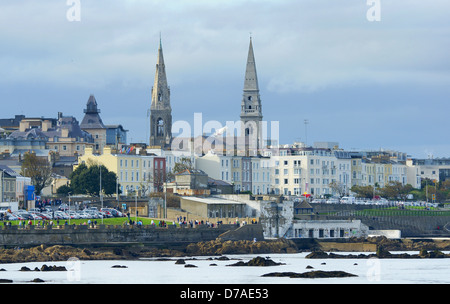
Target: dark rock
[[190, 266], [212, 264], [317, 255], [280, 274], [180, 262], [87, 251], [37, 280], [309, 267], [258, 261], [5, 281], [25, 268], [119, 266], [223, 258], [53, 268], [311, 274]]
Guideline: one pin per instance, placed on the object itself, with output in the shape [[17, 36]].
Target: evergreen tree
[[86, 180]]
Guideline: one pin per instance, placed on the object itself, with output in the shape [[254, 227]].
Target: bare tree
[[38, 169], [337, 187]]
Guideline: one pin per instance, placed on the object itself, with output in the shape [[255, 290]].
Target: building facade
[[246, 174], [313, 171], [135, 170], [62, 135]]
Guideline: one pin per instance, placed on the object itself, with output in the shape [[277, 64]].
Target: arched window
[[160, 127]]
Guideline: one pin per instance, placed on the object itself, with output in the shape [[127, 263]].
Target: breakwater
[[112, 235]]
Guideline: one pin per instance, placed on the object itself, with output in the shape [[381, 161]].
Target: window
[[286, 181], [286, 162]]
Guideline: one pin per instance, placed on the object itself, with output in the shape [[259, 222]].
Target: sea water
[[154, 271]]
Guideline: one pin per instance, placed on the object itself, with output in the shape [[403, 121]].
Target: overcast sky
[[366, 85]]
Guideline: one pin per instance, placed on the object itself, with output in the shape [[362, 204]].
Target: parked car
[[113, 212], [22, 216], [63, 207], [42, 216], [73, 214], [35, 216], [59, 215], [333, 201], [10, 217]]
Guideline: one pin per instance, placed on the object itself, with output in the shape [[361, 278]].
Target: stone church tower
[[251, 109], [160, 110]]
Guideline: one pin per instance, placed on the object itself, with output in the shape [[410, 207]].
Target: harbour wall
[[105, 235]]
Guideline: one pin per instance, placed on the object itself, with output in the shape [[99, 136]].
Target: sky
[[366, 84]]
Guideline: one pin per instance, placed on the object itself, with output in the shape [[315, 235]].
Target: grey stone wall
[[111, 235]]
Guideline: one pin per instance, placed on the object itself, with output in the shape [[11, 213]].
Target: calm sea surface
[[150, 271]]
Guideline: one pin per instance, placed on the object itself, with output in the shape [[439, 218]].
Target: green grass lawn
[[106, 221], [402, 212]]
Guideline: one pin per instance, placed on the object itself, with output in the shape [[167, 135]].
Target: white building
[[328, 229], [311, 170], [244, 173], [434, 169]]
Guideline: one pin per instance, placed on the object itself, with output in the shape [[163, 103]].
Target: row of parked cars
[[49, 214]]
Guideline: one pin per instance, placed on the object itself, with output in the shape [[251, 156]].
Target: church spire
[[251, 108], [251, 77], [160, 91], [160, 110]]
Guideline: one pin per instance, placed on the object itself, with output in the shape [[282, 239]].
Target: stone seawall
[[116, 235]]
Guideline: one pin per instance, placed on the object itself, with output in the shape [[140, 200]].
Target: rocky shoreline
[[218, 247]]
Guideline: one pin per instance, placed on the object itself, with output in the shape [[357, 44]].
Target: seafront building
[[299, 170], [246, 174], [136, 170]]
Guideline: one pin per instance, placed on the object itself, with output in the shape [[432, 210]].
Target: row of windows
[[246, 176], [64, 147], [135, 163], [245, 164], [132, 176], [324, 181]]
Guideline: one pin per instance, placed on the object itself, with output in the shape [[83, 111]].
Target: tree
[[184, 164], [396, 190], [337, 187], [86, 180], [363, 191], [38, 169], [64, 190]]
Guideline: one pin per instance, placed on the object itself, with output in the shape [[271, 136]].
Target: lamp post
[[69, 207], [100, 190]]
